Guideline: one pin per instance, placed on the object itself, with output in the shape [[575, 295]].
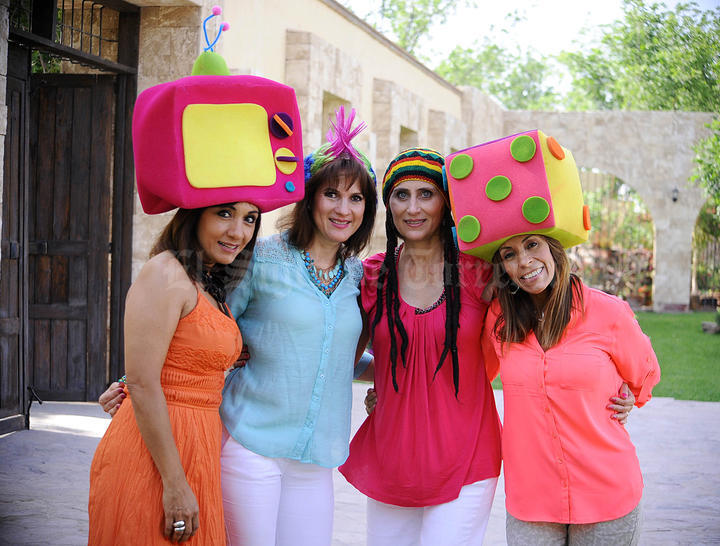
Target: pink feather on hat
[[343, 133]]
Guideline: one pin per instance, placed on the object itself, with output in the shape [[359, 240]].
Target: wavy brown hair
[[180, 237], [299, 222], [518, 312]]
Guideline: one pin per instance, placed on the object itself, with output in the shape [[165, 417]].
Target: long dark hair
[[180, 238], [388, 284], [344, 169], [518, 312]]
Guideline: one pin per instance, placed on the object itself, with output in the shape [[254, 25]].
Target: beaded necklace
[[326, 281], [213, 285]]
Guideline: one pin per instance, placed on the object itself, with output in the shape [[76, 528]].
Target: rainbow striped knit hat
[[414, 164]]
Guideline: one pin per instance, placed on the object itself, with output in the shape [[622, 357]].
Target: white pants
[[274, 502], [460, 522]]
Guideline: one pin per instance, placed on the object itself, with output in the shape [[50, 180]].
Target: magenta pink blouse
[[422, 444]]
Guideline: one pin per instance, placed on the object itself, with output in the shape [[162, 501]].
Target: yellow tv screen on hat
[[227, 145]]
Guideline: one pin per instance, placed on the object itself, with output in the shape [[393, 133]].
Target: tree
[[707, 228], [410, 21], [653, 59], [707, 167], [517, 80]]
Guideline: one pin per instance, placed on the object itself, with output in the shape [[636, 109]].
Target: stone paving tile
[[44, 476]]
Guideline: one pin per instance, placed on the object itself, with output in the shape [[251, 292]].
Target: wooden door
[[13, 259], [69, 218]]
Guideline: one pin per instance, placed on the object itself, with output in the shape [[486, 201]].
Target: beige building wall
[[331, 57], [257, 45]]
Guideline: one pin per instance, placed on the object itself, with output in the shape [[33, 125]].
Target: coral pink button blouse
[[422, 444], [566, 460]]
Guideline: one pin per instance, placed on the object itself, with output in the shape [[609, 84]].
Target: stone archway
[[618, 257], [652, 153]]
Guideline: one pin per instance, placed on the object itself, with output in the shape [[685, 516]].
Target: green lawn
[[689, 359]]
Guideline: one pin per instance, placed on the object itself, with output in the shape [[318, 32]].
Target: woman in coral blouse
[[571, 474], [562, 348]]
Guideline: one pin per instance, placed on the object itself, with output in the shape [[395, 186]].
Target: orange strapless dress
[[125, 505]]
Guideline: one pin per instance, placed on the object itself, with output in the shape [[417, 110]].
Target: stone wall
[[483, 116], [446, 132], [396, 108], [313, 68]]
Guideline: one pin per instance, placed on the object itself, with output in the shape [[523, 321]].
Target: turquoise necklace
[[326, 281]]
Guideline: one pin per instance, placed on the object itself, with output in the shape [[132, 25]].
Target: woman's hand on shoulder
[[622, 404], [112, 398], [476, 276], [370, 400], [243, 358]]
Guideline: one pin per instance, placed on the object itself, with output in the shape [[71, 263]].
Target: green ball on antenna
[[210, 63]]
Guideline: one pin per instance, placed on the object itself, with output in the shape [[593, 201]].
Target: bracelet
[[362, 364]]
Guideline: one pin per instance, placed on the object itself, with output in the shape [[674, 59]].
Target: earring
[[513, 288]]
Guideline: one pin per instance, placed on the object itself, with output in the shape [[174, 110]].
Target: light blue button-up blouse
[[293, 397]]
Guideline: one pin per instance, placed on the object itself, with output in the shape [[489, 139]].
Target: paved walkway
[[44, 476]]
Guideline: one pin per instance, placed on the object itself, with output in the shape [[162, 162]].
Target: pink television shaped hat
[[524, 183], [209, 139]]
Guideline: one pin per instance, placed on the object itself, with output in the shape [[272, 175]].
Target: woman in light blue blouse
[[286, 413]]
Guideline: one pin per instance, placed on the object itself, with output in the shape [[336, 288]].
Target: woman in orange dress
[[155, 477], [161, 453]]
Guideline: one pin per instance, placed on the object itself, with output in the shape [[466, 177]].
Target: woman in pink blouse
[[428, 457]]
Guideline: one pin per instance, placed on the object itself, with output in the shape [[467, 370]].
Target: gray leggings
[[620, 532]]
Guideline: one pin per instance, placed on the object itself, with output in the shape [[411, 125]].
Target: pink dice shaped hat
[[524, 183]]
